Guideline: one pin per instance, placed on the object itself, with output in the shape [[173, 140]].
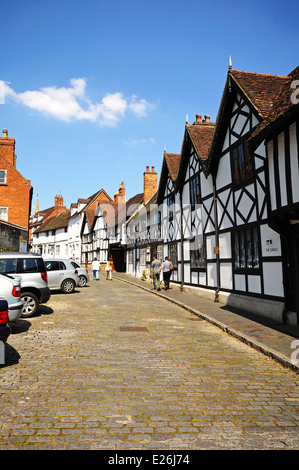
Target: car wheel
[[82, 281], [67, 286], [30, 304]]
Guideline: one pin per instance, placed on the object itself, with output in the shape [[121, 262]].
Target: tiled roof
[[201, 135], [282, 106], [173, 164], [261, 89], [90, 213], [52, 223]]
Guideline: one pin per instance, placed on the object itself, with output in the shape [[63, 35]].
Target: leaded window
[[173, 254], [242, 162], [194, 192], [246, 249], [198, 253]]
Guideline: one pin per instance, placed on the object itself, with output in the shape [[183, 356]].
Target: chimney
[[120, 195], [58, 201], [7, 148], [207, 119], [149, 183]]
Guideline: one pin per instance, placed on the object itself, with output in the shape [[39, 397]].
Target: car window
[[75, 264], [62, 265], [8, 265], [53, 265], [28, 265]]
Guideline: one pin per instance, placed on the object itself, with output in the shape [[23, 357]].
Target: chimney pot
[[153, 168], [198, 118], [147, 168], [207, 118], [5, 133]]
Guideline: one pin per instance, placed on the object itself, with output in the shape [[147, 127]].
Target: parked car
[[62, 275], [4, 326], [82, 273], [10, 289], [34, 286]]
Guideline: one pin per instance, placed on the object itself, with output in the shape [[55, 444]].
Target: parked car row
[[26, 281]]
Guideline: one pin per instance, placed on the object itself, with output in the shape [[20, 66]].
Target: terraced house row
[[225, 209]]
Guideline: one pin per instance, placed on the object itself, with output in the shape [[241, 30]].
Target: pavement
[[276, 340]]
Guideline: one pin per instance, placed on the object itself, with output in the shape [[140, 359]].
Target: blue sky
[[95, 90]]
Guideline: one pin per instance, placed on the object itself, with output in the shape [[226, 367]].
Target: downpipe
[[216, 299]]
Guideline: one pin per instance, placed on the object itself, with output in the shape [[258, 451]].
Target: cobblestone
[[73, 379]]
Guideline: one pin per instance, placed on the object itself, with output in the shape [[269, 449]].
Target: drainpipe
[[217, 242], [182, 244]]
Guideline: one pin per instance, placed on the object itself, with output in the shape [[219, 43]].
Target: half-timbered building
[[228, 214], [196, 204], [247, 272], [280, 134]]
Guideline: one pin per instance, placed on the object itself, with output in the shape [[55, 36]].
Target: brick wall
[[16, 192]]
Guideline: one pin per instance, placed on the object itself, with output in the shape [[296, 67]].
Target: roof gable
[[259, 90], [26, 181], [170, 167], [199, 135]]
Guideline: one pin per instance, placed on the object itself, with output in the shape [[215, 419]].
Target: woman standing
[[109, 269]]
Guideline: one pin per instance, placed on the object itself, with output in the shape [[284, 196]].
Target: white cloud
[[151, 140], [72, 103]]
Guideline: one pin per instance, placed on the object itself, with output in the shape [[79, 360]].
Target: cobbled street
[[114, 367]]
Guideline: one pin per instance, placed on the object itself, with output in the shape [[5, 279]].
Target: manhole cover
[[133, 328]]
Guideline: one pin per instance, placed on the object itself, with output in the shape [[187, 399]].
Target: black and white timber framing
[[228, 218]]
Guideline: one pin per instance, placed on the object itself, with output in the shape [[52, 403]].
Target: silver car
[[10, 290], [82, 273], [31, 268], [61, 275]]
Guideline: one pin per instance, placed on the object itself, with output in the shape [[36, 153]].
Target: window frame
[[198, 254], [246, 250], [194, 186], [173, 254], [5, 176], [170, 206], [242, 163], [6, 217]]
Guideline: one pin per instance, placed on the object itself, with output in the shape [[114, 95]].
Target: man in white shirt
[[95, 269], [166, 269]]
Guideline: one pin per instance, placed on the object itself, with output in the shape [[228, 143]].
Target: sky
[[95, 91]]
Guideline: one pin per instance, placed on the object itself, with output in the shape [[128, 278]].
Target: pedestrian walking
[[166, 269], [155, 271], [109, 269], [95, 269]]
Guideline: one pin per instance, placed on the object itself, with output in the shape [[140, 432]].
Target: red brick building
[[15, 189]]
